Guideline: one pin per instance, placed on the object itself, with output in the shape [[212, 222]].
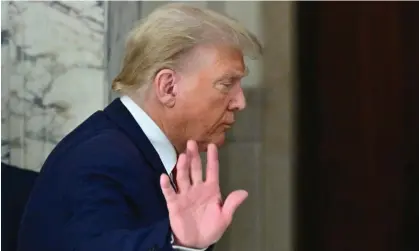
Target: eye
[[224, 86]]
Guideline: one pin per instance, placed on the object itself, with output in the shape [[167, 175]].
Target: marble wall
[[53, 74]]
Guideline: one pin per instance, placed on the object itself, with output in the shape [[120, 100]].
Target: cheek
[[204, 118], [208, 103], [204, 110], [212, 118]]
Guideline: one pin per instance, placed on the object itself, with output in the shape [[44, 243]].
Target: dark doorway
[[358, 135]]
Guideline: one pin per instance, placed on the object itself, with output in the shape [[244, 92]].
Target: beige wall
[[259, 153]]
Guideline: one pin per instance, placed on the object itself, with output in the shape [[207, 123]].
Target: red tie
[[174, 173]]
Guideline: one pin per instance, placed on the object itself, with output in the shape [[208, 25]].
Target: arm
[[103, 220]]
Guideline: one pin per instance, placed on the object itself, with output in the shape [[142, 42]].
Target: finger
[[233, 201], [212, 164], [196, 165], [183, 169], [167, 189]]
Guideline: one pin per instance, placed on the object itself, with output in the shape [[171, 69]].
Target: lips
[[228, 125]]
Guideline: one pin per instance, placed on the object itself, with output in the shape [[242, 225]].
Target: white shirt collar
[[158, 139]]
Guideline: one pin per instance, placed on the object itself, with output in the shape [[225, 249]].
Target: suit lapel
[[119, 114]]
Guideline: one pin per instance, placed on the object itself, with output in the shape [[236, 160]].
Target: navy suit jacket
[[99, 190]]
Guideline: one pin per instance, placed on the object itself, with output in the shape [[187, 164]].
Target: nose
[[239, 101]]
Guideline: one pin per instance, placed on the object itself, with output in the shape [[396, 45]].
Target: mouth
[[228, 125]]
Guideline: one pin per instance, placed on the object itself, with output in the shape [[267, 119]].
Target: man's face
[[209, 94]]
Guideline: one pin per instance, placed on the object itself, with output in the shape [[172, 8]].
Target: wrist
[[179, 243]]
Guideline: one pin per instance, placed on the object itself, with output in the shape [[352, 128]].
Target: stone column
[[278, 149], [121, 17], [259, 151]]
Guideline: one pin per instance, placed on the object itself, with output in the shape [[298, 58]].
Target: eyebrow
[[235, 75]]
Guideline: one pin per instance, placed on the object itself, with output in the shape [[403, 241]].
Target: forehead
[[221, 60]]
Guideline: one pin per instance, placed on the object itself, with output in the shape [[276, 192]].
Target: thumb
[[167, 189], [233, 201]]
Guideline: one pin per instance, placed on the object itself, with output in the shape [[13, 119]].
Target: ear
[[166, 87]]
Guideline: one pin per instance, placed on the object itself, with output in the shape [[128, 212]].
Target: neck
[[163, 120]]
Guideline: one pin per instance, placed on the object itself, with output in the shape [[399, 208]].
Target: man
[[113, 184]]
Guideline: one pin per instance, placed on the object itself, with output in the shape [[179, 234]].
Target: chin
[[218, 141]]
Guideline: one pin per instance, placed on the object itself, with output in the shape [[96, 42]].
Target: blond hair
[[168, 33]]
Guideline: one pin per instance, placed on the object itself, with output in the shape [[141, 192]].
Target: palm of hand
[[197, 216]]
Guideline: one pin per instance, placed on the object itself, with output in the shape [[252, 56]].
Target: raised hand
[[198, 216]]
